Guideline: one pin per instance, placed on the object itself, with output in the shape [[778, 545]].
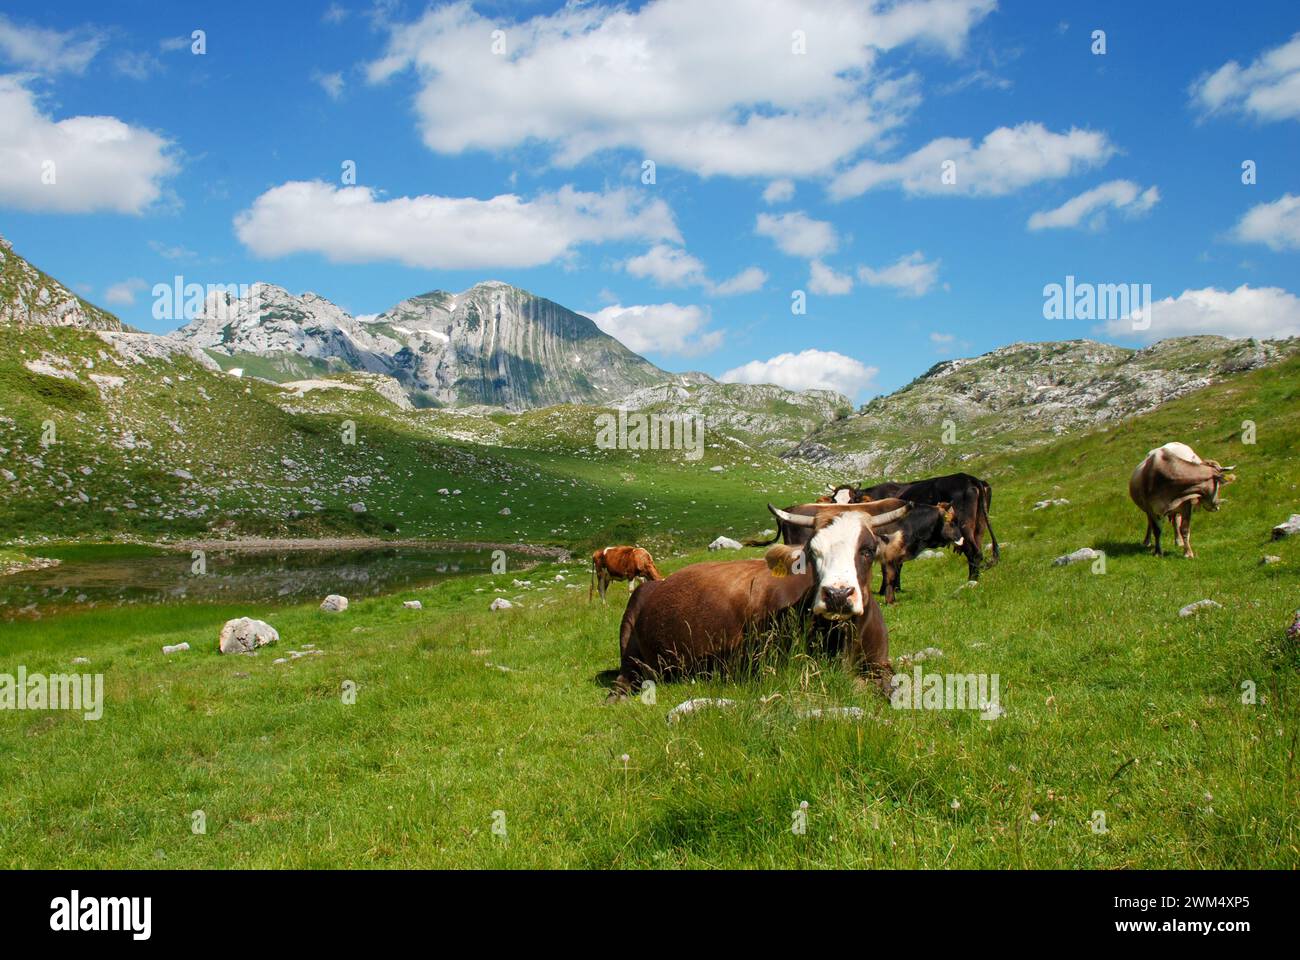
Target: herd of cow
[[704, 614]]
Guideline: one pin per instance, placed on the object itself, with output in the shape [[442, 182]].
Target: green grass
[[233, 437], [1114, 704]]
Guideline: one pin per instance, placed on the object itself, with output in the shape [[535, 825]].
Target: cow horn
[[791, 518], [1228, 469], [883, 518]]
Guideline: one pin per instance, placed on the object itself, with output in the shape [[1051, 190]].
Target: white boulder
[[244, 635], [724, 543], [1079, 556], [334, 603]]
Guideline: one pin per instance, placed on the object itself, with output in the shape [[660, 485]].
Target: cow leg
[[603, 585], [1146, 541], [973, 557], [887, 582], [1176, 519], [1185, 513]]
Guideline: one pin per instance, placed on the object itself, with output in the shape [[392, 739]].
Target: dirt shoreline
[[267, 544]]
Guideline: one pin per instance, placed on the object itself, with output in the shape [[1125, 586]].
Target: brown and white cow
[[1169, 483], [621, 563], [707, 613]]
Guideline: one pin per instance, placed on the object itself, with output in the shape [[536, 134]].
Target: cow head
[[949, 532], [1211, 501], [840, 554]]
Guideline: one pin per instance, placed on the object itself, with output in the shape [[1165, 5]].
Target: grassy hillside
[[1114, 703], [168, 449], [1022, 395]]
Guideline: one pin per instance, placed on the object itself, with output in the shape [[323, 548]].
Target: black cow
[[925, 527], [970, 498]]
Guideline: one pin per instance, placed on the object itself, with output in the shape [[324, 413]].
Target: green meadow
[[1132, 737]]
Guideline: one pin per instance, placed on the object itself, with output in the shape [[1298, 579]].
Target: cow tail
[[986, 501]]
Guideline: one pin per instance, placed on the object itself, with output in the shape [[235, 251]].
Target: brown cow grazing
[[621, 563], [705, 613], [1168, 483]]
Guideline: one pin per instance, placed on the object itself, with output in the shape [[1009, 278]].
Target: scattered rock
[[699, 703], [334, 603], [444, 492], [1268, 560], [412, 604], [501, 603], [81, 660], [504, 511], [724, 543], [1044, 504], [1192, 608], [358, 507], [929, 653], [715, 469], [1288, 529], [244, 635], [930, 554], [820, 713], [175, 648], [1079, 556]]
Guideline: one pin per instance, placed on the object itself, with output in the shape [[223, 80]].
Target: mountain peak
[[28, 295]]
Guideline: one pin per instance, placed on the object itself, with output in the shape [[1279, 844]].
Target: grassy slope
[[1114, 703], [233, 434]]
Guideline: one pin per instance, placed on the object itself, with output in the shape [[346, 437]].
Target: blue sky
[[797, 147]]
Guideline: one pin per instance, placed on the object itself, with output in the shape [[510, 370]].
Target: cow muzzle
[[838, 603]]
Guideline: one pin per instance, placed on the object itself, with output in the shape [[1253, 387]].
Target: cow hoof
[[616, 696]]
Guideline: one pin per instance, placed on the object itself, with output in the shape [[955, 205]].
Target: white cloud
[[99, 163], [137, 65], [331, 83], [334, 14], [671, 266], [169, 251], [665, 328], [715, 88], [1263, 312], [1092, 206], [808, 370], [123, 294], [354, 225], [1006, 160], [825, 281], [746, 281], [668, 266], [1276, 224], [778, 191], [911, 275], [798, 234], [47, 51], [1268, 89]]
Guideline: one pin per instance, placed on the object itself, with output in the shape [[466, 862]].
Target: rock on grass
[[244, 635]]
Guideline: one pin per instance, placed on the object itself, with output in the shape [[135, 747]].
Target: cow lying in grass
[[621, 563], [707, 613], [1168, 483]]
